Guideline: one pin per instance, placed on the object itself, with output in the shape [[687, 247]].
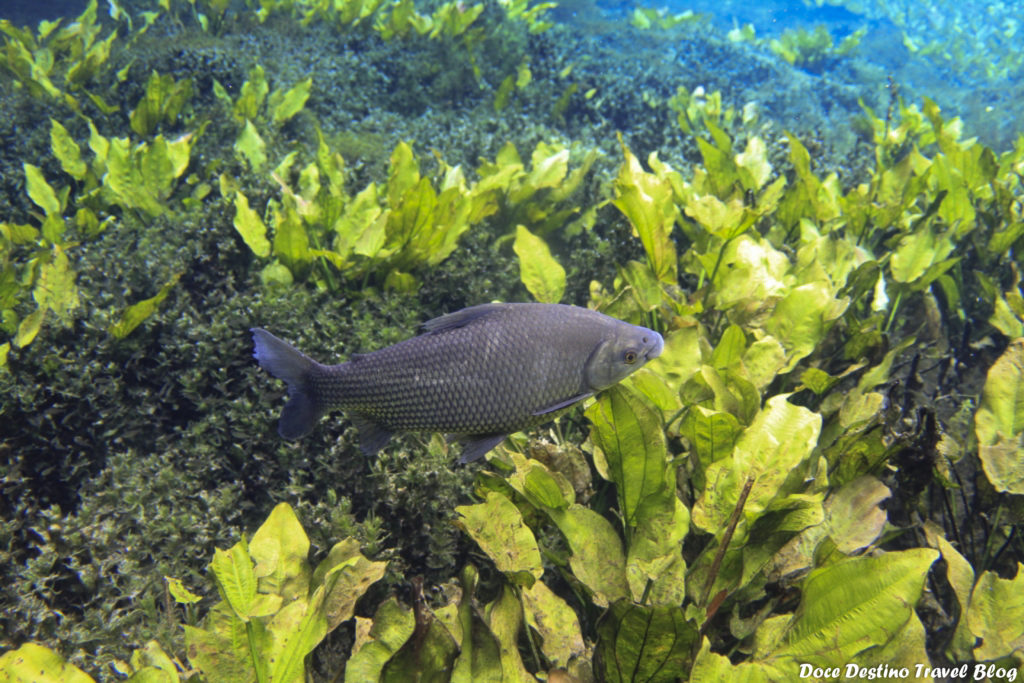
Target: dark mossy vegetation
[[824, 468]]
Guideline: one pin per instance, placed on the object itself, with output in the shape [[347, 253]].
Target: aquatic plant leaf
[[125, 179], [219, 652], [711, 667], [295, 630], [999, 421], [235, 578], [251, 227], [251, 146], [346, 575], [181, 594], [960, 575], [504, 616], [40, 191], [640, 644], [254, 91], [498, 528], [543, 276], [556, 622], [996, 614], [291, 242], [712, 435], [33, 663], [151, 664], [280, 549], [855, 604], [285, 105], [135, 314], [55, 289], [917, 253], [647, 201], [628, 437], [67, 151], [377, 640], [29, 327], [597, 559], [802, 318], [431, 650], [781, 437], [755, 169]]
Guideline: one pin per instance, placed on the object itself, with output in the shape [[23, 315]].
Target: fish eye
[[629, 357]]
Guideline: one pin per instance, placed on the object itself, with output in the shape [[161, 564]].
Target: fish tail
[[284, 361]]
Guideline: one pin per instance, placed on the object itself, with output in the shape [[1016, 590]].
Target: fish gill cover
[[817, 205]]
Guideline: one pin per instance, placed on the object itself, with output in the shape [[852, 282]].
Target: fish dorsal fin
[[461, 318], [563, 404]]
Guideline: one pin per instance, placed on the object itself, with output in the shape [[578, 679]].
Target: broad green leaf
[[67, 151], [960, 575], [754, 162], [152, 665], [125, 177], [730, 348], [251, 146], [377, 640], [403, 174], [29, 327], [479, 649], [280, 550], [556, 622], [629, 439], [855, 604], [291, 242], [32, 663], [853, 520], [55, 289], [641, 644], [999, 421], [505, 617], [5, 349], [712, 434], [710, 667], [498, 528], [751, 270], [346, 575], [647, 201], [236, 581], [549, 166], [996, 615], [539, 271], [250, 226], [906, 649], [802, 318], [254, 91], [286, 105], [917, 252], [294, 631], [597, 559], [135, 314], [39, 191], [180, 593], [777, 442], [430, 651], [221, 651]]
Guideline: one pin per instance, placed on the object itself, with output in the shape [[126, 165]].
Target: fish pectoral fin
[[563, 404], [459, 318], [475, 446], [372, 436]]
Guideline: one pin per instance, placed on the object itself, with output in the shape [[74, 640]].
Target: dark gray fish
[[480, 374]]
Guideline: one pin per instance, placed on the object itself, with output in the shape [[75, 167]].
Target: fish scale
[[480, 373]]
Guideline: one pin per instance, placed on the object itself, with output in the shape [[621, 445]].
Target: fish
[[477, 374]]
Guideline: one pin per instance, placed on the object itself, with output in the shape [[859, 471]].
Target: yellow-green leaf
[[180, 593], [67, 151], [39, 191], [288, 104], [134, 315], [251, 146], [543, 276], [33, 663], [251, 227], [280, 549], [997, 615], [999, 422], [498, 528]]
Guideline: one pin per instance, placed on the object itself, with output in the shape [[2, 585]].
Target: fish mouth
[[654, 343]]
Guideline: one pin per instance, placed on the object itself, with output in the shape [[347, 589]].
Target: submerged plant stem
[[726, 539]]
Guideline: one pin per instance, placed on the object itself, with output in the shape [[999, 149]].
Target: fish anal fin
[[563, 404], [372, 436], [476, 446], [459, 318]]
